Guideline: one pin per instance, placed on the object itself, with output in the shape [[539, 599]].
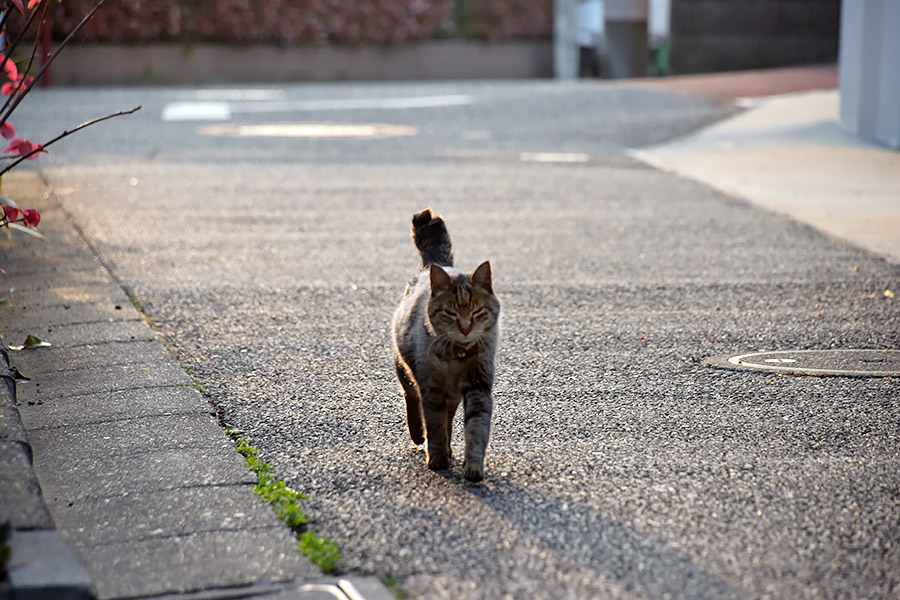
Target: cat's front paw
[[473, 472], [438, 462]]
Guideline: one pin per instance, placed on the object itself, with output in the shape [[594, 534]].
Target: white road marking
[[196, 111], [310, 130], [205, 110], [555, 157]]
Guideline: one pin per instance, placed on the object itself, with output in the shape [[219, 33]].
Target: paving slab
[[63, 293], [85, 334], [219, 559], [45, 282], [58, 360], [86, 380], [45, 259], [86, 474], [115, 405], [123, 437], [60, 314], [163, 513]]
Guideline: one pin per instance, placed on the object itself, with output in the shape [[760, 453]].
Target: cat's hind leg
[[414, 419]]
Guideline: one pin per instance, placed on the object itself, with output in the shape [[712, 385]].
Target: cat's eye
[[481, 315]]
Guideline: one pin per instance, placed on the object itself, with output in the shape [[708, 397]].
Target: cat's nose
[[465, 326]]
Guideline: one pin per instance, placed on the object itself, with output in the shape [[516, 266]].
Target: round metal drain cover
[[842, 363]]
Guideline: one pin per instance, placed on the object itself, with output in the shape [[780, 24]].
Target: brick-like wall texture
[[730, 35]]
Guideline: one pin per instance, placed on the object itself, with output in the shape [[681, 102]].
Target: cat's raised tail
[[430, 235]]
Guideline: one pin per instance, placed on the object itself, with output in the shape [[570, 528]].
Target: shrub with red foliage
[[301, 21], [505, 19]]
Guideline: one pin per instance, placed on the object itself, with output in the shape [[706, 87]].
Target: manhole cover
[[844, 363]]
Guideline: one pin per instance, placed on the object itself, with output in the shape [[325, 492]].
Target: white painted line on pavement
[[196, 111], [555, 157], [310, 130], [222, 111]]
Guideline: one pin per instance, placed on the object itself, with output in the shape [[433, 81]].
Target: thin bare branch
[[66, 134], [5, 17], [42, 22]]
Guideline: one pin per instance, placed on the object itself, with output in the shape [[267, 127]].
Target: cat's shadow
[[641, 564]]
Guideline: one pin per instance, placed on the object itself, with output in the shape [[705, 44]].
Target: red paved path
[[747, 84]]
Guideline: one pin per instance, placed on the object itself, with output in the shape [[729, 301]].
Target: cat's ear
[[440, 280], [482, 277]]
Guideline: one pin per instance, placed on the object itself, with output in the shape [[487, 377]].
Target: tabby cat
[[445, 336]]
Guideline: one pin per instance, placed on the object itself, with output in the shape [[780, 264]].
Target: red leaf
[[24, 148], [12, 71], [32, 217], [11, 212]]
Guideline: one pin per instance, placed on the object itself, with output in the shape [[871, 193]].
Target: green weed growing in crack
[[286, 504], [393, 586], [320, 550], [195, 382]]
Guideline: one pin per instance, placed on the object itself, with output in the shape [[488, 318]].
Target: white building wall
[[869, 69]]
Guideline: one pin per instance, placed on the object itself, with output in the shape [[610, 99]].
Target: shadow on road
[[640, 564]]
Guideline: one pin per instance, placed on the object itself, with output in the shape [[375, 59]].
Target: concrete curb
[[43, 565]]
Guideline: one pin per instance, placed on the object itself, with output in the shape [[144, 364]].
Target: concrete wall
[[727, 35], [210, 64]]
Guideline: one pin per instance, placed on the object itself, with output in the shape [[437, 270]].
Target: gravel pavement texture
[[620, 465]]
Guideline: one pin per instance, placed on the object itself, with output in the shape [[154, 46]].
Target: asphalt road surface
[[265, 231]]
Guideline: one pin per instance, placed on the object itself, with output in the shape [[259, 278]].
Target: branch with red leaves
[[29, 151], [16, 87]]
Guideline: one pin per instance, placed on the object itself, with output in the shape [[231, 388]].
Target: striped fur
[[445, 334], [429, 234]]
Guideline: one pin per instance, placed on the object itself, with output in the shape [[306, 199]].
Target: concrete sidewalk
[[788, 154], [117, 479]]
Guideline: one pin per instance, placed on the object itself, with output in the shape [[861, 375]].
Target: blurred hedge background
[[348, 22]]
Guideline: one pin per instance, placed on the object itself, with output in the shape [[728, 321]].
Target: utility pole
[[565, 42]]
